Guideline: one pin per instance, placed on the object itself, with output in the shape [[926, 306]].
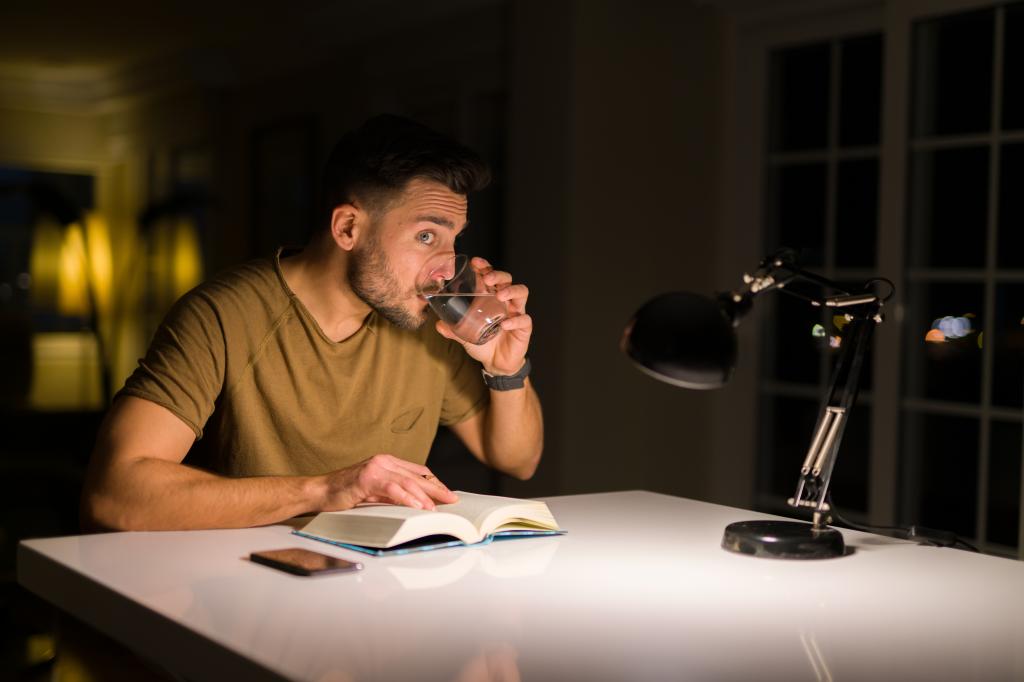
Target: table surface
[[639, 589]]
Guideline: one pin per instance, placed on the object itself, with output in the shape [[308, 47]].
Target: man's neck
[[318, 276]]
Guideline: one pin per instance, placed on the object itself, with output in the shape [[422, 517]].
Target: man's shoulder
[[255, 277], [242, 287], [246, 295]]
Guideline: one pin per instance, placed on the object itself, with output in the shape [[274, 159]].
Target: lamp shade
[[682, 339]]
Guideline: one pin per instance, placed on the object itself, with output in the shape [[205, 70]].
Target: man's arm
[[136, 481], [509, 434]]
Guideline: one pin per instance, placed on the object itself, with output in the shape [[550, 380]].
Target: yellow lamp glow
[[187, 265], [72, 296], [101, 261], [75, 263], [44, 262]]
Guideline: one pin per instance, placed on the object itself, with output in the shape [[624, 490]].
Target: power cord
[[919, 534]]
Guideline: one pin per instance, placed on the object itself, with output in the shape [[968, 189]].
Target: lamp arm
[[775, 274], [862, 310], [863, 313], [816, 473]]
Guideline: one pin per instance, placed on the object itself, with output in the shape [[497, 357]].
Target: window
[[822, 180], [897, 151], [961, 399]]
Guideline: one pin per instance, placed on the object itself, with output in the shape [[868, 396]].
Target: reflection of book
[[509, 560], [390, 529]]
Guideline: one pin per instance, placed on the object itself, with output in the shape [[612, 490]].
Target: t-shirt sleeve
[[184, 367], [465, 393]]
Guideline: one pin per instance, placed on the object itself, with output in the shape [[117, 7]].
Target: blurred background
[[638, 147]]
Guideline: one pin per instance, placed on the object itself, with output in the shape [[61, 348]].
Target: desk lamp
[[689, 340]]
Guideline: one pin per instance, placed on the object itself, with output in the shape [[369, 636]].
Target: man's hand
[[505, 353], [388, 479]]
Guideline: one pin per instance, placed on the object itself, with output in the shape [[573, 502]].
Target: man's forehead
[[428, 198]]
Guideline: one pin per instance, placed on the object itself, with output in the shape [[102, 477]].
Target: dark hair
[[377, 160]]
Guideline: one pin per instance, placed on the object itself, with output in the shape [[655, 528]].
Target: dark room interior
[[635, 148]]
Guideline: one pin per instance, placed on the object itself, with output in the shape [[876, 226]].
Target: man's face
[[422, 223]]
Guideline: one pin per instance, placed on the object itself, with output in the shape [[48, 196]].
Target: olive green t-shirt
[[244, 364]]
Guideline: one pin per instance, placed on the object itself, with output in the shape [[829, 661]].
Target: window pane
[[850, 476], [1011, 206], [856, 213], [952, 73], [796, 213], [1008, 337], [860, 91], [1013, 68], [948, 208], [943, 363], [800, 94], [1004, 483], [790, 421], [796, 355], [940, 472]]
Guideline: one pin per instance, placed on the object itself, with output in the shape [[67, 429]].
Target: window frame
[[755, 33]]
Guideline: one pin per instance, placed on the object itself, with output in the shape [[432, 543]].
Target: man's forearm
[[154, 494], [514, 431]]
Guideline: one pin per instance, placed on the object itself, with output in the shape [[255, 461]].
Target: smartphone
[[303, 562]]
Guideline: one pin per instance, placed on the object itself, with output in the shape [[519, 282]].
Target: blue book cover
[[432, 542]]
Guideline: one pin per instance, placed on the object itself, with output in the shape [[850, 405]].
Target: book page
[[386, 525], [472, 518], [488, 512]]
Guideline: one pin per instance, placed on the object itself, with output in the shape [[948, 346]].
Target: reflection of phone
[[303, 562]]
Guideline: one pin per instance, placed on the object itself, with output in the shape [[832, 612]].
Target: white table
[[638, 590]]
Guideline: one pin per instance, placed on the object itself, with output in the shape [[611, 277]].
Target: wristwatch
[[507, 382]]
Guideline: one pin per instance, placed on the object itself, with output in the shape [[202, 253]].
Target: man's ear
[[348, 221]]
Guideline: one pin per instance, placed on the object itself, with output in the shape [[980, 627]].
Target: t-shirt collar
[[369, 323]]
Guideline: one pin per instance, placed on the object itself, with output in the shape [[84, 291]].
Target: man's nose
[[447, 269]]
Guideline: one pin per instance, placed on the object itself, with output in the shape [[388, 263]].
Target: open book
[[390, 529]]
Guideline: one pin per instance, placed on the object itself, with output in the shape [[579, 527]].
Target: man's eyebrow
[[439, 220]]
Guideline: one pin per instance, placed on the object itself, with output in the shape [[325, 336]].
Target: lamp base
[[783, 540]]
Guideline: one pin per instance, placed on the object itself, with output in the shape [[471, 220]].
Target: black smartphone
[[303, 562]]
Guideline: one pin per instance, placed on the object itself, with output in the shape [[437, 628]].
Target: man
[[309, 382]]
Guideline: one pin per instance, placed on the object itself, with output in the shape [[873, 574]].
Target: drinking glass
[[456, 292]]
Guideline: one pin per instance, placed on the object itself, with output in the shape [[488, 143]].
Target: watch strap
[[507, 382]]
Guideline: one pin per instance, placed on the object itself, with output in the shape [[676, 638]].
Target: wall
[[614, 150], [613, 117]]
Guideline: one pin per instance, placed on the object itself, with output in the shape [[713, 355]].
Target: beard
[[373, 281]]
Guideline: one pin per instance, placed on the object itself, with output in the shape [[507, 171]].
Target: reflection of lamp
[[689, 340]]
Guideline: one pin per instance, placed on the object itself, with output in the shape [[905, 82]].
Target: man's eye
[[425, 237]]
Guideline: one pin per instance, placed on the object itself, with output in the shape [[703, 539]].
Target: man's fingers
[[497, 278], [517, 322], [398, 464], [439, 491], [409, 494], [420, 476], [517, 293], [430, 485]]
